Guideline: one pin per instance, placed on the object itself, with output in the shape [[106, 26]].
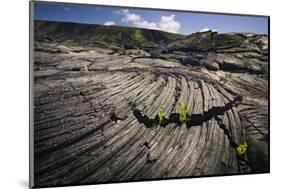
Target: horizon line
[[87, 23]]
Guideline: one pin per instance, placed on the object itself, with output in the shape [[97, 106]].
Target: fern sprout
[[184, 117], [160, 115], [241, 149]]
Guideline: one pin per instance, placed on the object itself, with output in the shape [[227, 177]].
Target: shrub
[[160, 115], [137, 36], [183, 117], [241, 149]]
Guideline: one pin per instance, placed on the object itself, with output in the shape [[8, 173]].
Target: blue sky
[[170, 21]]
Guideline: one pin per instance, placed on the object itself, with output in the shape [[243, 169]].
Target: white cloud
[[125, 11], [145, 24], [204, 30], [128, 17], [109, 23], [166, 23], [118, 12], [207, 29]]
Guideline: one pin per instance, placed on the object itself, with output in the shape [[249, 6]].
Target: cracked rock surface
[[95, 105]]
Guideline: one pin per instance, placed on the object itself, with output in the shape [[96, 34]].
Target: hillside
[[100, 35]]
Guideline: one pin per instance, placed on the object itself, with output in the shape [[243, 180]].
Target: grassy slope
[[91, 33]]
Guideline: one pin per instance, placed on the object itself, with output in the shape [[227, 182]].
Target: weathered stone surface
[[233, 52], [95, 109], [136, 52]]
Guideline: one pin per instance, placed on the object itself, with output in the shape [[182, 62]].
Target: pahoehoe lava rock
[[89, 98]]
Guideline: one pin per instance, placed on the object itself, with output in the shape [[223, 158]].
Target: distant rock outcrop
[[234, 52], [95, 106]]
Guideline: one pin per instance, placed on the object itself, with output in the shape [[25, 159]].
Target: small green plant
[[160, 115], [183, 113], [137, 36], [241, 149]]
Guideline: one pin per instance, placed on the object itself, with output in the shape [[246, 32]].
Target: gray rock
[[95, 109]]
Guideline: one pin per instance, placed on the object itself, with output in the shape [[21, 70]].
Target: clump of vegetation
[[184, 117], [241, 149], [160, 115], [137, 35]]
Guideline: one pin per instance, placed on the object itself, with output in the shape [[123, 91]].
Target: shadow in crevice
[[226, 132], [195, 119], [116, 118]]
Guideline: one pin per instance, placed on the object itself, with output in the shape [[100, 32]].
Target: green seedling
[[241, 149], [184, 117], [160, 115]]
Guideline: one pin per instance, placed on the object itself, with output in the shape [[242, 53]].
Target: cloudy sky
[[170, 21]]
